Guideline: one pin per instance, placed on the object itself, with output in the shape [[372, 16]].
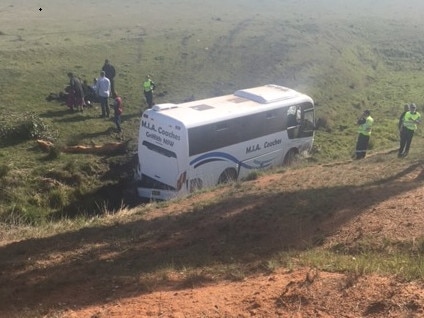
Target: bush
[[252, 176], [54, 153], [58, 198], [4, 170], [18, 127], [323, 123]]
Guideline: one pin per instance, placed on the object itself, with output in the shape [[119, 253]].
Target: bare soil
[[169, 260]]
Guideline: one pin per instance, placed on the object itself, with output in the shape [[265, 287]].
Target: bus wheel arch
[[291, 157], [227, 176]]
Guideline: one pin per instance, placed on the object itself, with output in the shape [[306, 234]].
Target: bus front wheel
[[228, 175], [291, 157]]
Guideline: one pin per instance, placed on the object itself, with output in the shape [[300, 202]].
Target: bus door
[[300, 121]]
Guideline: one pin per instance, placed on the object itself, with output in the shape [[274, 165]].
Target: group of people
[[407, 125], [81, 95]]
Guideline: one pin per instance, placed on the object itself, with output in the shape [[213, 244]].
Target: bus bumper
[[156, 194]]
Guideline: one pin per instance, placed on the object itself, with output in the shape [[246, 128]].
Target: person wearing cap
[[365, 123], [410, 121]]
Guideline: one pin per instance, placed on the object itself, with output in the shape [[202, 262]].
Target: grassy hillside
[[70, 224], [347, 58], [357, 225]]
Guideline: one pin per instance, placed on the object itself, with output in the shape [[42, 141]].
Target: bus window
[[300, 121], [293, 121], [221, 126], [160, 150], [308, 125]]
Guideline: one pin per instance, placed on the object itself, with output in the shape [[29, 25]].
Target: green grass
[[387, 259], [344, 67], [345, 64]]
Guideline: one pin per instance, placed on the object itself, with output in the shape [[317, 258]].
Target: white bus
[[199, 144]]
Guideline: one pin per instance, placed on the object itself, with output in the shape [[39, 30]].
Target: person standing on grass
[[365, 123], [117, 107], [102, 88], [148, 87], [110, 73], [402, 116], [410, 121], [400, 122], [76, 93]]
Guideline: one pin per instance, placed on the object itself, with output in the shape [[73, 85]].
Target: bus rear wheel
[[228, 175]]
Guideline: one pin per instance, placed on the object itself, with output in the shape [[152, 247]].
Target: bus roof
[[242, 102]]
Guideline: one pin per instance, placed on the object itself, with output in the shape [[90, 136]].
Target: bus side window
[[308, 120]]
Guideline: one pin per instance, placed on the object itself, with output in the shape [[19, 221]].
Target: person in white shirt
[[102, 88]]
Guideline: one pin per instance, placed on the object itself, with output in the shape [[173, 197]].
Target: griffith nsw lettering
[[160, 135]]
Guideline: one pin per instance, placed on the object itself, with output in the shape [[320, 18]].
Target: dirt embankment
[[211, 255]]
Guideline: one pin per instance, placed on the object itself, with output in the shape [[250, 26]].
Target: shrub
[[252, 176], [58, 198], [323, 123], [4, 169], [18, 127], [54, 153]]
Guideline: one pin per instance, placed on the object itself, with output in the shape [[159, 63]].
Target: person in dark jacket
[[89, 93], [110, 73], [76, 94], [402, 116]]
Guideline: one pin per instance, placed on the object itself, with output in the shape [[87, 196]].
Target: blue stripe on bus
[[263, 164], [206, 161], [217, 156]]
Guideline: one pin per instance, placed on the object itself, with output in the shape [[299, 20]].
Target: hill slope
[[237, 251]]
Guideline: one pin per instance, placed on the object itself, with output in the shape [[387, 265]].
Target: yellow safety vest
[[148, 85], [409, 120], [365, 128]]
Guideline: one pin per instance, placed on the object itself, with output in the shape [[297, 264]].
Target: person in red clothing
[[117, 107]]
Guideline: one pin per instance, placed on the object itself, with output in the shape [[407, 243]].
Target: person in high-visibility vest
[[365, 123], [410, 121], [402, 117], [148, 87]]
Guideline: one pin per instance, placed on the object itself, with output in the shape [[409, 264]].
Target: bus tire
[[196, 185], [291, 157], [228, 175]]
